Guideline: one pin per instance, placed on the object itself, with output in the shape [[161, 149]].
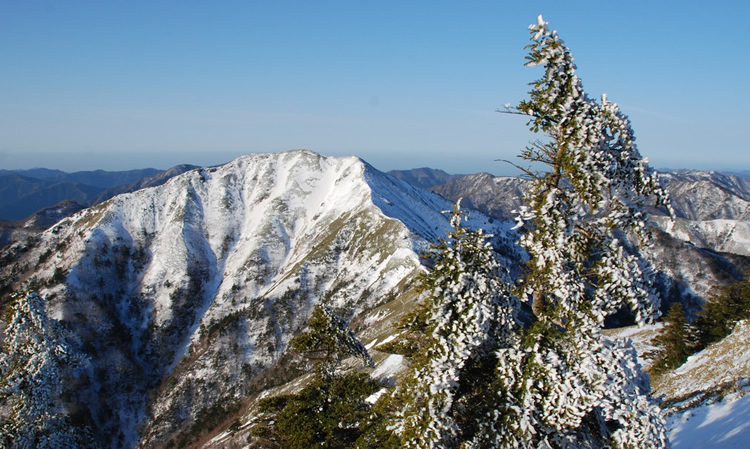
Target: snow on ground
[[700, 419], [373, 398], [723, 369], [389, 368], [724, 235], [641, 336], [723, 425]]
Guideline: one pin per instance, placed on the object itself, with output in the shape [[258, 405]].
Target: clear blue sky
[[120, 85]]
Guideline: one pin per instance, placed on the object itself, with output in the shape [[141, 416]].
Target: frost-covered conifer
[[331, 411], [329, 339], [572, 387], [466, 315], [675, 341], [34, 362]]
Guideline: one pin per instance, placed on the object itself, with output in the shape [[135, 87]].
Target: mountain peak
[[168, 283]]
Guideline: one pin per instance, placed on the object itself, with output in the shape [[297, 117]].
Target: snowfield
[[723, 425]]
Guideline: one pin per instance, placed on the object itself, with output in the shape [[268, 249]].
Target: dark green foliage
[[674, 340], [680, 339], [327, 413], [328, 340], [727, 306], [58, 276], [414, 340], [330, 411], [377, 432]]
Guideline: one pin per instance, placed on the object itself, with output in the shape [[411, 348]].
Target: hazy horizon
[[124, 162]]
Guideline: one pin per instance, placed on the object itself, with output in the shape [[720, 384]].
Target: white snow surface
[[710, 406], [641, 336], [389, 367], [264, 213], [697, 421], [723, 425]]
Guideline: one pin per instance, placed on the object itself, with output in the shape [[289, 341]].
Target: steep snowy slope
[[703, 196], [497, 196], [185, 295], [722, 367]]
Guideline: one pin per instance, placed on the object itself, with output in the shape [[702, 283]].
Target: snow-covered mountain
[[183, 296], [497, 196], [713, 210]]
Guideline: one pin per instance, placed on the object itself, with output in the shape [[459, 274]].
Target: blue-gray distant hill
[[25, 192], [95, 178], [424, 177]]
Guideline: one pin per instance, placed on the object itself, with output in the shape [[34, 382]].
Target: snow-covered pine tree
[[328, 340], [467, 313], [675, 340], [331, 410], [35, 362], [574, 387]]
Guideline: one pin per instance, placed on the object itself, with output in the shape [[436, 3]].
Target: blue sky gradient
[[122, 85]]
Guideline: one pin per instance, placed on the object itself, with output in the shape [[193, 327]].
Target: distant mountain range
[[712, 208], [25, 192], [33, 200], [96, 178]]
